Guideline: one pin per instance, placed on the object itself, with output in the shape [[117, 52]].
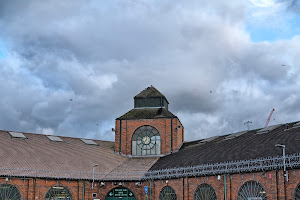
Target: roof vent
[[297, 125], [54, 138], [90, 142], [207, 140], [268, 129], [17, 135], [234, 135]]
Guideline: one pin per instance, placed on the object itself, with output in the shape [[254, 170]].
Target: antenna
[[247, 123]]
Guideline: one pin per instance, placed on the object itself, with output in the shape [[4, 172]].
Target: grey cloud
[[101, 55]]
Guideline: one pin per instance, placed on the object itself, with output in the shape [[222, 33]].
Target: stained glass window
[[58, 193], [9, 192], [205, 192], [252, 190], [297, 193], [167, 193]]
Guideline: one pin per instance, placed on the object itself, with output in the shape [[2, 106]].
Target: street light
[[95, 165], [284, 167]]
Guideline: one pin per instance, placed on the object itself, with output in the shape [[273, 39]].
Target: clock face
[[146, 141]]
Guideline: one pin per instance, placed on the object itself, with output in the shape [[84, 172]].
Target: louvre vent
[[234, 135], [268, 129], [207, 139], [297, 125]]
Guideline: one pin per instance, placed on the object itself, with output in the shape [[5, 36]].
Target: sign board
[[146, 188], [254, 198], [120, 193]]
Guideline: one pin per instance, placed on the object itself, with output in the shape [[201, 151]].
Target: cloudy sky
[[71, 67]]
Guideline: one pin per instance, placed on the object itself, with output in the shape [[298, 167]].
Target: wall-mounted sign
[[146, 188], [120, 193]]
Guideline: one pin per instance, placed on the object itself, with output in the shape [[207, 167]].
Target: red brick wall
[[272, 181], [163, 125]]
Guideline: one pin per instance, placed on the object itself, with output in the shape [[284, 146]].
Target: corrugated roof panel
[[268, 129], [54, 138], [91, 142], [17, 135], [234, 135]]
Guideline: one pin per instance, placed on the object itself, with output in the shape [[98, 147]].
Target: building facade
[[150, 160]]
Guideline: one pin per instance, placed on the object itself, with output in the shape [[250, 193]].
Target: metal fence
[[260, 164]]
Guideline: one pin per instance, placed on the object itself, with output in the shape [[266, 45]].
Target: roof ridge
[[150, 91]]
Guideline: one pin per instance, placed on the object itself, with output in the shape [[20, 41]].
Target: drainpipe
[[83, 189], [171, 135], [225, 189], [120, 135], [150, 190]]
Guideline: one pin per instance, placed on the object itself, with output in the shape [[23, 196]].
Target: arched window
[[297, 193], [58, 192], [145, 141], [167, 193], [205, 192], [252, 190], [9, 192]]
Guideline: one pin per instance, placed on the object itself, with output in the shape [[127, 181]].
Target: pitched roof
[[38, 156], [147, 113], [243, 146], [149, 92]]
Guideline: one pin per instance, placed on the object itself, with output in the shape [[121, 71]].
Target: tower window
[[146, 141]]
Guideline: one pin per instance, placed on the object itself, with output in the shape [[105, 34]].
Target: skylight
[[17, 135], [91, 142], [268, 129], [234, 135], [54, 138]]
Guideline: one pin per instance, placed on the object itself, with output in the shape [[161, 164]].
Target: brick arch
[[23, 196], [142, 126], [58, 185]]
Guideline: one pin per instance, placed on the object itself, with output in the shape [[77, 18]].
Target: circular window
[[145, 141], [205, 192], [252, 190], [167, 193], [58, 192], [9, 192]]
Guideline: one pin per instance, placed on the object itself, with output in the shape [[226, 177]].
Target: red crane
[[269, 118]]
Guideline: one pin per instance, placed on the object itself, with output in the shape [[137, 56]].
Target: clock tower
[[149, 129]]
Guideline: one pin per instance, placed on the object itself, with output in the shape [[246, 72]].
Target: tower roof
[[150, 92]]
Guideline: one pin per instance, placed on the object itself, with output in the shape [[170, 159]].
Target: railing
[[260, 164]]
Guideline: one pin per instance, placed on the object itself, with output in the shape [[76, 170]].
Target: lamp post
[[95, 165], [283, 152]]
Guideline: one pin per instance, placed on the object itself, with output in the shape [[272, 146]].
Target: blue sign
[[146, 189]]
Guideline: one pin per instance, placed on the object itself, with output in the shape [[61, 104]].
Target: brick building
[[149, 155]]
